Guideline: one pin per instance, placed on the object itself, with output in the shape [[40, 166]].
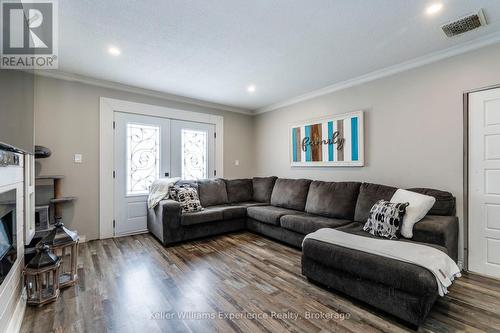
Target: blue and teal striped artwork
[[332, 141], [331, 155], [354, 139]]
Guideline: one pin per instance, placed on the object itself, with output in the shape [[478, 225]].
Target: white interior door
[[193, 150], [484, 182], [142, 155]]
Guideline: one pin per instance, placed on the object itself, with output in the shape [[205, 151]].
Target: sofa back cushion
[[188, 182], [263, 188], [239, 190], [333, 199], [290, 193], [212, 192], [445, 204], [369, 194]]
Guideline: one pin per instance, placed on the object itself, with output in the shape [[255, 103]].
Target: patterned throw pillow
[[172, 192], [188, 198], [385, 219]]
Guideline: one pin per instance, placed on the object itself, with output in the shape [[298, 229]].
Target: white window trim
[[107, 107]]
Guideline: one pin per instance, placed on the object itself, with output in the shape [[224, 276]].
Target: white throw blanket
[[159, 190], [439, 263]]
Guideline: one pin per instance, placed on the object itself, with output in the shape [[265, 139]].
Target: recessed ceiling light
[[434, 8], [114, 51], [251, 88]]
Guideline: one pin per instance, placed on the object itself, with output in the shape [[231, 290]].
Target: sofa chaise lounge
[[289, 209]]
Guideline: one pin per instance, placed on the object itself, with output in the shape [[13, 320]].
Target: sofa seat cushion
[[250, 204], [369, 194], [230, 212], [212, 192], [290, 193], [307, 223], [440, 230], [215, 213], [395, 274], [269, 214], [209, 214], [333, 199], [239, 190]]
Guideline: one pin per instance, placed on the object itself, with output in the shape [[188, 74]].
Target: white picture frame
[[351, 157]]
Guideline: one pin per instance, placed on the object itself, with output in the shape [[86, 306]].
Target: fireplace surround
[[8, 227]]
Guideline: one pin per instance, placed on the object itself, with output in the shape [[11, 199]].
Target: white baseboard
[[17, 318], [139, 232]]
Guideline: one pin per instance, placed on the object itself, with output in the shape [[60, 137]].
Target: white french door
[[484, 182], [192, 149], [147, 148], [142, 154]]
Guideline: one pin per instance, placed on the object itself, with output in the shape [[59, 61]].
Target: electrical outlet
[[78, 158], [237, 162]]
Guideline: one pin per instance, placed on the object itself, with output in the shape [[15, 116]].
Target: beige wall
[[16, 111], [67, 121], [413, 126], [413, 131]]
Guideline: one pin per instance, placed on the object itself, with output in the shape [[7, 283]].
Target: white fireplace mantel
[[12, 177]]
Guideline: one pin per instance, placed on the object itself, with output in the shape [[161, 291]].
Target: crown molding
[[56, 74], [388, 71]]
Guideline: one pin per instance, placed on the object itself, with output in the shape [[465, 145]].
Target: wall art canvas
[[336, 140]]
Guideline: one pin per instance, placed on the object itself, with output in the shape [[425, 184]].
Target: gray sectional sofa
[[288, 209]]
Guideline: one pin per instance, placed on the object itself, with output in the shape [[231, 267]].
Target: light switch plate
[[237, 162], [78, 158]]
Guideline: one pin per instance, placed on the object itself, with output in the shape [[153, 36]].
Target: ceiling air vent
[[464, 24]]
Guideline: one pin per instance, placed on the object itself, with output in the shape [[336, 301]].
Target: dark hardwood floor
[[134, 284]]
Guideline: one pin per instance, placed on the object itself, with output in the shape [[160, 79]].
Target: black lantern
[[41, 277], [64, 243]]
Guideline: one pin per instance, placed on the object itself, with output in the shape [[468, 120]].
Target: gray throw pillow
[[385, 219]]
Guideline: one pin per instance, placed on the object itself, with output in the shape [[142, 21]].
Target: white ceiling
[[212, 50]]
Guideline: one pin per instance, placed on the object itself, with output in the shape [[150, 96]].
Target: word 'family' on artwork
[[315, 141]]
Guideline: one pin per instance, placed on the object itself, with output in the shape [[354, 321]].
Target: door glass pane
[[194, 154], [143, 157]]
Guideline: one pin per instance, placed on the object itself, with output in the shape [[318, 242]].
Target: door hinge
[[215, 135], [114, 174], [114, 124], [114, 223]]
